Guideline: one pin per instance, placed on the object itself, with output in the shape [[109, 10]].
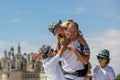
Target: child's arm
[[82, 41], [58, 44], [60, 52]]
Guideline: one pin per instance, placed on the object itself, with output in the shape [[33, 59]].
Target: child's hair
[[66, 23], [77, 26]]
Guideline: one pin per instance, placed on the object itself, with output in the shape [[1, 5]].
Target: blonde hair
[[65, 24]]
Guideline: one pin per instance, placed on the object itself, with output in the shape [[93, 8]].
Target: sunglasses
[[101, 58]]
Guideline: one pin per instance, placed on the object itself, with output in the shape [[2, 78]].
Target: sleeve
[[84, 50], [54, 61], [95, 70]]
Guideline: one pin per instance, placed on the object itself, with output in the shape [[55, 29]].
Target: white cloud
[[16, 20], [80, 10], [2, 44], [108, 39], [26, 47], [19, 13]]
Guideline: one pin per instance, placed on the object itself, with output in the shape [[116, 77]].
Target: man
[[103, 71], [72, 68]]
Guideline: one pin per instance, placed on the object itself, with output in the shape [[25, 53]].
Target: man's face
[[59, 31]]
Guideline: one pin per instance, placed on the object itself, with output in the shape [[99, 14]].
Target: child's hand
[[71, 47], [37, 57], [66, 42]]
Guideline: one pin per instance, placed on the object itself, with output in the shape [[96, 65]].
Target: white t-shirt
[[106, 73], [52, 68], [70, 62]]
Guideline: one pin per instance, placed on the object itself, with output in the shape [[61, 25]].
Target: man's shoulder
[[109, 68]]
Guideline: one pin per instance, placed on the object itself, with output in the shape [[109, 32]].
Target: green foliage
[[118, 77]]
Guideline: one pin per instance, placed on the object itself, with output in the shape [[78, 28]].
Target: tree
[[118, 77]]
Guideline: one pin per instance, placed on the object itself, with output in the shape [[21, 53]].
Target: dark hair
[[76, 24], [108, 61]]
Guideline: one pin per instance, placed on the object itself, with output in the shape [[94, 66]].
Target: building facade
[[18, 66]]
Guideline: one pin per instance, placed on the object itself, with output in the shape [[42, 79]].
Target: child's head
[[46, 51], [103, 57], [72, 30]]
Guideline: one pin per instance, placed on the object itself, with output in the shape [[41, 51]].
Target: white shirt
[[70, 62], [52, 68], [106, 73]]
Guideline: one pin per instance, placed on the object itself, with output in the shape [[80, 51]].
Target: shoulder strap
[[82, 48]]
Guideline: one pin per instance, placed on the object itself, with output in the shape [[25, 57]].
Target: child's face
[[59, 31], [72, 31]]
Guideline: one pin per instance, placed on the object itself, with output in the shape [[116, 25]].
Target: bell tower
[[19, 49]]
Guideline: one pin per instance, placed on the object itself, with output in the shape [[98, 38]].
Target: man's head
[[104, 53], [103, 57], [45, 50]]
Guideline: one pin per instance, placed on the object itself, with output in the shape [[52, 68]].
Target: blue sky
[[26, 21]]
